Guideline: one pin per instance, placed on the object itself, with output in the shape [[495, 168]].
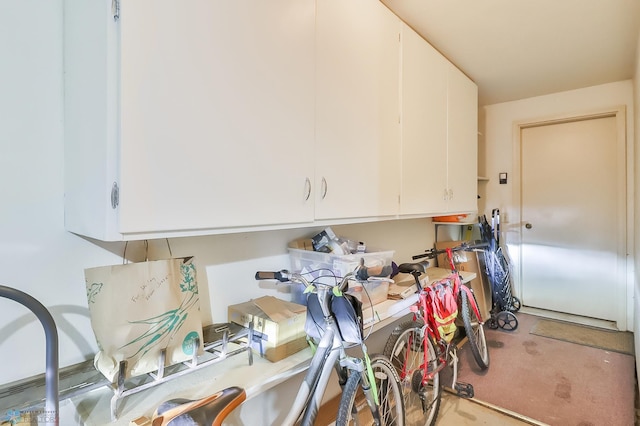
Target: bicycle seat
[[210, 410], [411, 268]]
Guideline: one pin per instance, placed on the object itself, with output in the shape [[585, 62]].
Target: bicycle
[[372, 379], [420, 349]]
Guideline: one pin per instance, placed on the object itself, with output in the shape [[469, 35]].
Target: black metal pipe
[[52, 403]]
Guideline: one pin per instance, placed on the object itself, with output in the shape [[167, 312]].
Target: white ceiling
[[515, 49]]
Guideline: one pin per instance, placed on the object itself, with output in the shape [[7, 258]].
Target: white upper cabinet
[[424, 126], [186, 117], [462, 142], [439, 132], [357, 157], [200, 117]]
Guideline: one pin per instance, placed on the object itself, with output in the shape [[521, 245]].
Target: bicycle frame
[[315, 381], [330, 354], [422, 310], [458, 286], [353, 372]]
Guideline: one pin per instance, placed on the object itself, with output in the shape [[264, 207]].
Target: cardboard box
[[304, 244], [279, 323]]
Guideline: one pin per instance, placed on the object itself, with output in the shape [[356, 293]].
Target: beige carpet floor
[[456, 411], [539, 380], [553, 381]]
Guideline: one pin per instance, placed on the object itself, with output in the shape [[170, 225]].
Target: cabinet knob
[[528, 225]]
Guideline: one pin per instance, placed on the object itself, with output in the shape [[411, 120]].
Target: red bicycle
[[421, 348]]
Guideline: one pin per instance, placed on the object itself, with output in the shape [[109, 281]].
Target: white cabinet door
[[357, 131], [462, 146], [424, 127], [439, 132], [217, 114], [214, 123]]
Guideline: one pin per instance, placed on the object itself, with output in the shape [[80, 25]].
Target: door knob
[[528, 226]]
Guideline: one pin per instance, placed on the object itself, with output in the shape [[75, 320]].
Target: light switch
[[502, 178]]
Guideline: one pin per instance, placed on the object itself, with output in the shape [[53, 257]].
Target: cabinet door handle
[[325, 187], [307, 187], [115, 9]]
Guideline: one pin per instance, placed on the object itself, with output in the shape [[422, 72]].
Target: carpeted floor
[[551, 380]]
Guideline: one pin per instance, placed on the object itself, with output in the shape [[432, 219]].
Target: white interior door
[[573, 217]]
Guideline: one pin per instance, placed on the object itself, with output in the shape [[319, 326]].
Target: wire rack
[[231, 341]]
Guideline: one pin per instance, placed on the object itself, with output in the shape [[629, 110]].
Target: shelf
[[213, 352]]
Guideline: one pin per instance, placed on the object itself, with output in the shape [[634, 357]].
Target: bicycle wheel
[[475, 332], [406, 350], [353, 407]]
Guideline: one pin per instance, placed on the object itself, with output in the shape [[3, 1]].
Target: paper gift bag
[[139, 309]]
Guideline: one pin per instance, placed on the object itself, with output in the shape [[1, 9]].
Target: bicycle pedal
[[464, 390]]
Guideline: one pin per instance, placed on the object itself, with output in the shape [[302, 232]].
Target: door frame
[[513, 229]]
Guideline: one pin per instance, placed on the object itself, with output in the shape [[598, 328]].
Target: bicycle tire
[[475, 332], [405, 349], [353, 407]]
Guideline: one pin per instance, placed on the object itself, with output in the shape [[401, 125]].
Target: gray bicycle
[[371, 392]]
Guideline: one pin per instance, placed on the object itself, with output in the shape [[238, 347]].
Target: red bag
[[444, 307]]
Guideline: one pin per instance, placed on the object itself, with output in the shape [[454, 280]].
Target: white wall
[[499, 120], [40, 258], [636, 299], [37, 255], [499, 137]]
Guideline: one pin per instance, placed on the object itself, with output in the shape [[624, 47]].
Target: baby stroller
[[498, 274]]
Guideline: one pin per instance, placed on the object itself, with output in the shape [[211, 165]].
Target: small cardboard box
[[279, 323], [304, 244]]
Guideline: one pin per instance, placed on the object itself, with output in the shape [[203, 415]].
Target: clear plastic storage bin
[[308, 261]]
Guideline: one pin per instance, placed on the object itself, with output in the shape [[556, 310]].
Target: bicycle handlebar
[[283, 276], [286, 276], [432, 253], [361, 273]]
